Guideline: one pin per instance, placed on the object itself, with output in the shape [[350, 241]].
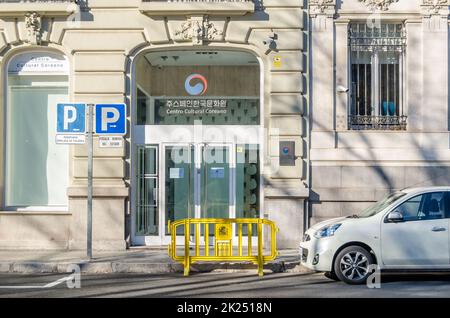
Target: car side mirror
[[395, 217]]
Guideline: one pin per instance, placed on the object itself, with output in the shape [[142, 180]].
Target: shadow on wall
[[379, 178]]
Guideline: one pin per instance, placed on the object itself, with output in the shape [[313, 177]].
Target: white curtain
[[36, 168]]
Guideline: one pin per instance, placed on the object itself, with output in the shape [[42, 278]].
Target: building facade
[[296, 111], [379, 101], [217, 118]]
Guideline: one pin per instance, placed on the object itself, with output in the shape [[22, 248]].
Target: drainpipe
[[307, 113]]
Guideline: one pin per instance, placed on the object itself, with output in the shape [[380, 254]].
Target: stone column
[[342, 76], [435, 65], [322, 72], [413, 105]]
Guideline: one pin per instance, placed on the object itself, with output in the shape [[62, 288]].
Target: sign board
[[70, 139], [277, 61], [110, 142], [176, 173], [217, 173], [71, 118], [110, 119], [38, 63], [212, 111], [223, 232], [287, 153]]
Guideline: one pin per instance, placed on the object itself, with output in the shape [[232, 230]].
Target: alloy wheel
[[354, 265]]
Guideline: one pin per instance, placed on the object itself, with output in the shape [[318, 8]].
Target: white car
[[407, 230]]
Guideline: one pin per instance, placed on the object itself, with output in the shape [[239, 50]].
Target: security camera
[[271, 42], [342, 89]]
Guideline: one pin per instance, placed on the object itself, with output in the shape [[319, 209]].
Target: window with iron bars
[[377, 55]]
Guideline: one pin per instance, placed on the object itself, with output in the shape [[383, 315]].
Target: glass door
[[146, 220], [179, 184], [197, 183], [201, 180], [216, 181]]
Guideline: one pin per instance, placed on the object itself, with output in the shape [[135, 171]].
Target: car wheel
[[331, 275], [352, 265]]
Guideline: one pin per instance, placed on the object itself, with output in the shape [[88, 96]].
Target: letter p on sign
[[110, 119], [71, 118]]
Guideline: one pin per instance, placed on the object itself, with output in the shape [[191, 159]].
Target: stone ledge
[[46, 9], [32, 267], [99, 191], [195, 8], [286, 193], [145, 268]]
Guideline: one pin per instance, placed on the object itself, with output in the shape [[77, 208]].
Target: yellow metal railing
[[220, 233]]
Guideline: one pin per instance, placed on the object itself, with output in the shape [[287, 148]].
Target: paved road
[[220, 285]]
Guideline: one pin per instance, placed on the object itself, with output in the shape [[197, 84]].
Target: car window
[[381, 205], [446, 205], [428, 206]]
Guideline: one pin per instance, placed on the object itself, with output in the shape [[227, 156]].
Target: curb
[[145, 268]]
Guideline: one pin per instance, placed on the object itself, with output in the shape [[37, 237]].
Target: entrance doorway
[[203, 180], [204, 171], [196, 142]]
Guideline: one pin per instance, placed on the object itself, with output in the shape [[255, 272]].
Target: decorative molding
[[52, 8], [211, 32], [435, 7], [322, 7], [381, 5], [198, 30], [222, 8], [33, 25]]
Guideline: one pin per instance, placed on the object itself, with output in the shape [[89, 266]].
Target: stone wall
[[351, 169], [102, 42]]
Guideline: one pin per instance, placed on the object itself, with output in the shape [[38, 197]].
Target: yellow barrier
[[222, 241]]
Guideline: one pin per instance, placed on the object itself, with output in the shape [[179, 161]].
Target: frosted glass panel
[[37, 168]]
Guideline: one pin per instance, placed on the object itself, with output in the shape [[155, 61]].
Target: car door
[[421, 240]]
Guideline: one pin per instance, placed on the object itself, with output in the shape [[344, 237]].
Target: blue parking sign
[[71, 118], [110, 119]]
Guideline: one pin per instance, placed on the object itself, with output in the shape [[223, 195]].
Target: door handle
[[438, 229], [155, 195]]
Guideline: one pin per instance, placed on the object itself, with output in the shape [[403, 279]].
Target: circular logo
[[196, 84], [286, 150]]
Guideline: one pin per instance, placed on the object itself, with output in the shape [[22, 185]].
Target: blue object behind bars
[[388, 106]]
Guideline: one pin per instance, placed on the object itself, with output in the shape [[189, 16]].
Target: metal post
[[187, 258], [260, 250], [90, 190]]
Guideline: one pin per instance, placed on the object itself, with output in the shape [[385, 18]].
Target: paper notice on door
[[176, 173], [217, 173]]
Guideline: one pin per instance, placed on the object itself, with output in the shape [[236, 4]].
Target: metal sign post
[[90, 183], [71, 129]]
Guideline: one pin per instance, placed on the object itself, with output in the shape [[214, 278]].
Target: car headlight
[[327, 231]]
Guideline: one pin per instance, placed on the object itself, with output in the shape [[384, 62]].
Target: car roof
[[414, 190]]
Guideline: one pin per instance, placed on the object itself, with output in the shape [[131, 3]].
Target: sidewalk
[[134, 260]]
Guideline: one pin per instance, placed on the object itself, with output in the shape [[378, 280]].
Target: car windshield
[[381, 205]]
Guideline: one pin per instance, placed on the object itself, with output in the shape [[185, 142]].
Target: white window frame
[[6, 101]]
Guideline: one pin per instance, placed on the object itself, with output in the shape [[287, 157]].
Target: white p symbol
[[109, 120], [70, 116]]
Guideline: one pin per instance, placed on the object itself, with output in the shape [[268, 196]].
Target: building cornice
[[190, 8], [398, 16], [42, 7]]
